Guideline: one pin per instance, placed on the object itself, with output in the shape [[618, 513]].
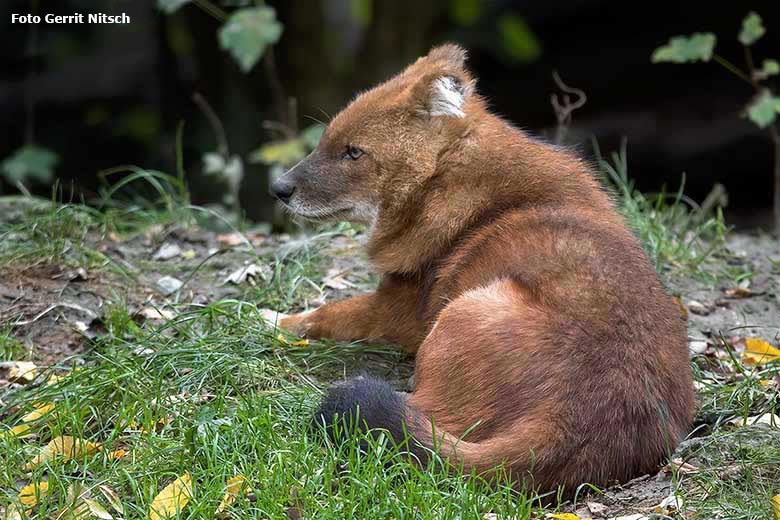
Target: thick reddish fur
[[532, 308]]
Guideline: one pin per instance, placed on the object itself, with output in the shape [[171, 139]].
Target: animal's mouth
[[318, 214]]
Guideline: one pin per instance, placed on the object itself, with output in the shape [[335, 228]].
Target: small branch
[[216, 124], [277, 88], [565, 106], [723, 62], [211, 9]]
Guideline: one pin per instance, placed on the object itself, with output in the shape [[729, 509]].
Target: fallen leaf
[[769, 419], [681, 467], [172, 499], [31, 493], [336, 279], [700, 308], [669, 505], [231, 239], [233, 488], [759, 352], [738, 292], [22, 372], [595, 508], [11, 513], [563, 516], [153, 313], [117, 454], [169, 284], [16, 431], [97, 509], [112, 498], [167, 251], [40, 410], [189, 254], [776, 506], [66, 446], [298, 343], [248, 273]]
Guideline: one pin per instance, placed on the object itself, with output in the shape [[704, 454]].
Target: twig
[[214, 121], [277, 88], [564, 107], [50, 308]]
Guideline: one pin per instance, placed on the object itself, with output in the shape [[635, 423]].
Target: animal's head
[[384, 143]]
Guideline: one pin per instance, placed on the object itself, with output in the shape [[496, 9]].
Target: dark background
[[105, 95]]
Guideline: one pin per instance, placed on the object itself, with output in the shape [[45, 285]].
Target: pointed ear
[[442, 94], [442, 85]]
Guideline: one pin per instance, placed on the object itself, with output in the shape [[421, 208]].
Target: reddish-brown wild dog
[[532, 309]]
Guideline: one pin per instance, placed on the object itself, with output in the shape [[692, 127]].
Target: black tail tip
[[362, 403]]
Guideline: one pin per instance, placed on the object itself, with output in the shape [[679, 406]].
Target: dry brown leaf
[[22, 372], [759, 352], [233, 488], [738, 292], [112, 498], [65, 446], [97, 509], [681, 467], [152, 313], [172, 499]]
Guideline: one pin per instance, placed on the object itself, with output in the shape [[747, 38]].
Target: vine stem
[[720, 60]]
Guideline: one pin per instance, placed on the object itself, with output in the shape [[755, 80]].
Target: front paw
[[272, 318], [301, 324]]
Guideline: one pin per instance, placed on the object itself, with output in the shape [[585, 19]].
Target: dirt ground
[[52, 310]]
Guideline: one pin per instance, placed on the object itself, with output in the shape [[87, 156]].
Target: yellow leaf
[[41, 409], [564, 516], [16, 431], [172, 498], [23, 372], [234, 486], [29, 494], [66, 446], [776, 506], [117, 454], [298, 343], [759, 352]]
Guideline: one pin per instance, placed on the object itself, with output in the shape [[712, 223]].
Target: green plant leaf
[[769, 68], [465, 12], [518, 40], [30, 163], [311, 135], [686, 49], [170, 6], [763, 109], [248, 32], [752, 29], [286, 153]]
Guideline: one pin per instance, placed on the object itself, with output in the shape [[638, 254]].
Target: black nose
[[282, 190]]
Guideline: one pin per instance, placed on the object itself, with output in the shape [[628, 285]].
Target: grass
[[214, 392], [680, 237]]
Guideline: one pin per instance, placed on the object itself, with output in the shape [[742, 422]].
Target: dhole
[[540, 328]]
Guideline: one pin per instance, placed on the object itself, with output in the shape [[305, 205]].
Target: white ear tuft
[[448, 97]]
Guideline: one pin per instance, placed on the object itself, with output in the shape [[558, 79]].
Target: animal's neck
[[480, 177]]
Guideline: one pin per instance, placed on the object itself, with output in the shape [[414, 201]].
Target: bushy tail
[[369, 403]]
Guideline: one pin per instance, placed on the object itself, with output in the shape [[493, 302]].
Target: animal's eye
[[352, 152]]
